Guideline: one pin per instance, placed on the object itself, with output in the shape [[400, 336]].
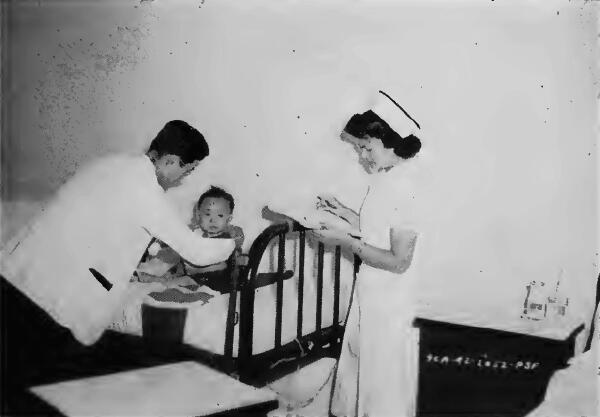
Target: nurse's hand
[[333, 237], [329, 204]]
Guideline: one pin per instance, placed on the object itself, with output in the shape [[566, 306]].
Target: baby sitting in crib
[[212, 218]]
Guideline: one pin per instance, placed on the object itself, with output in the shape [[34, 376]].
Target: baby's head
[[214, 211]]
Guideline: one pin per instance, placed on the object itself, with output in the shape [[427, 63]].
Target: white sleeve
[[162, 221], [403, 214]]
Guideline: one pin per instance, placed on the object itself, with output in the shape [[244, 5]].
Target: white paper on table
[[182, 389]]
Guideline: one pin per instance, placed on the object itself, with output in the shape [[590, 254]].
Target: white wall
[[505, 93]]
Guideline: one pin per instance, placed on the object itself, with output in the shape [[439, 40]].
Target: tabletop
[[180, 389]]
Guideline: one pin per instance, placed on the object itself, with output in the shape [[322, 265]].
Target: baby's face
[[214, 215]]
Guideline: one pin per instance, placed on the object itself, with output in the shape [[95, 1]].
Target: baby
[[212, 217], [213, 214]]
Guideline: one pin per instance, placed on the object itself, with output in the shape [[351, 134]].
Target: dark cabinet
[[472, 372]]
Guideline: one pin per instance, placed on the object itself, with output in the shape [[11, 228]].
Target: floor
[[305, 393]]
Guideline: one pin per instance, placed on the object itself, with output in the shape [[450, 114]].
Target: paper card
[[182, 389], [314, 219]]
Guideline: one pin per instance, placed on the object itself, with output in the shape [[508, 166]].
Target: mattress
[[206, 320]]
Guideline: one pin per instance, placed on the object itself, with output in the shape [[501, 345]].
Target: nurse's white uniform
[[377, 370]]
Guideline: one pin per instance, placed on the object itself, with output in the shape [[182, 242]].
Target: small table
[[180, 389]]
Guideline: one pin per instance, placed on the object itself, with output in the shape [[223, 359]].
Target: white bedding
[[205, 323]]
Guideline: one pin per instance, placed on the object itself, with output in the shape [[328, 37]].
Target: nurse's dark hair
[[180, 139], [369, 124], [216, 192]]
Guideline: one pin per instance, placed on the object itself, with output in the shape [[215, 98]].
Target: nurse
[[377, 369], [64, 278]]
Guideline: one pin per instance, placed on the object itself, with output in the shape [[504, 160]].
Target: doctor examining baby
[[65, 276]]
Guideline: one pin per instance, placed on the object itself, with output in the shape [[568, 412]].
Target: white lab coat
[[103, 218]]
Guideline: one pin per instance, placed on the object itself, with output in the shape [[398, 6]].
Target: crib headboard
[[249, 279]]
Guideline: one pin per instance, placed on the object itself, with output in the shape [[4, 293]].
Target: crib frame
[[262, 368], [259, 369]]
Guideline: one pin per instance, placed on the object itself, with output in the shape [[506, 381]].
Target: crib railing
[[324, 341]]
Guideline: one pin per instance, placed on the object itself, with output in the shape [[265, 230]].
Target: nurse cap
[[394, 115]]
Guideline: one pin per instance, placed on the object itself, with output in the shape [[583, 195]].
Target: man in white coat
[[64, 278]]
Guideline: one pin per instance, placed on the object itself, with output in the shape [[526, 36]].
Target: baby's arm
[[237, 234], [277, 217]]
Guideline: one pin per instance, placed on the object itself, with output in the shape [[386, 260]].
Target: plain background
[[505, 92]]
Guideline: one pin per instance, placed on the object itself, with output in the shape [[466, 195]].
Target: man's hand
[[194, 269], [139, 288], [179, 281], [146, 278], [154, 287]]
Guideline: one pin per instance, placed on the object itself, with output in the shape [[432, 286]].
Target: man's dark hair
[[216, 192], [180, 139]]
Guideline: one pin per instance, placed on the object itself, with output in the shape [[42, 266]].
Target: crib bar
[[301, 283], [279, 302], [247, 294], [246, 323], [320, 284], [230, 325], [336, 286]]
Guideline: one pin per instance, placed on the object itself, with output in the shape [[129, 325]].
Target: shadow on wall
[[15, 215], [72, 76]]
